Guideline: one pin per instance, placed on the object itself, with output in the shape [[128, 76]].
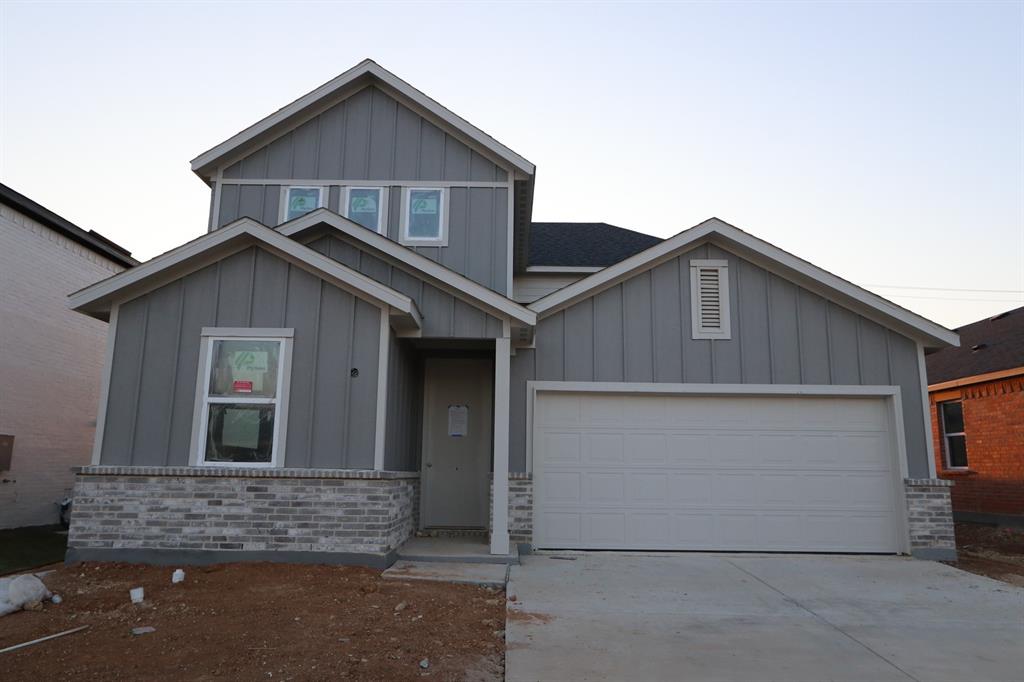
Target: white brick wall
[[51, 363]]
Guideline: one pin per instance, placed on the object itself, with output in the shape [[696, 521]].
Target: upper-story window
[[424, 219], [367, 206], [300, 201]]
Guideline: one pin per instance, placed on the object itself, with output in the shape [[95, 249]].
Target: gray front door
[[457, 442]]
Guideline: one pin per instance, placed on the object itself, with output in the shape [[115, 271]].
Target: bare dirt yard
[[256, 622], [993, 551]]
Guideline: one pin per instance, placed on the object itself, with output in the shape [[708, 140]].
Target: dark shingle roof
[[584, 244], [90, 239], [990, 345]]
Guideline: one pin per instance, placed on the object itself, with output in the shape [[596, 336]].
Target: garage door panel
[[605, 489], [679, 472], [604, 448]]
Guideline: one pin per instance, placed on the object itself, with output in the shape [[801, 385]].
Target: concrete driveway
[[598, 616]]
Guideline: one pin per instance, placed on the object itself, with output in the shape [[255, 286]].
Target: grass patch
[[24, 548]]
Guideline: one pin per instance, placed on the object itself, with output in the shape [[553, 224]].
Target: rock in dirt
[[18, 592], [400, 606], [143, 630], [425, 663]]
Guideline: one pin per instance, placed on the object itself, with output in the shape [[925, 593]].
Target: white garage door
[[759, 473]]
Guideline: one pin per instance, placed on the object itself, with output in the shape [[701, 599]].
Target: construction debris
[[21, 591], [43, 639]]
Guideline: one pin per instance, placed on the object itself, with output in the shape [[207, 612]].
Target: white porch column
[[499, 500]]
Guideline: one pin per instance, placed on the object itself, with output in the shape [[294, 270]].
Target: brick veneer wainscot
[[311, 510], [520, 507], [930, 518]]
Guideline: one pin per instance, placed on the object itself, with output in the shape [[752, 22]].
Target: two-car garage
[[741, 469]]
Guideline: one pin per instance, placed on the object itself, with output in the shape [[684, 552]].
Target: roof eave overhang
[[206, 164], [458, 285], [927, 333], [97, 300]]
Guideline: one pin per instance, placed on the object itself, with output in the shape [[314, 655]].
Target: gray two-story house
[[373, 338]]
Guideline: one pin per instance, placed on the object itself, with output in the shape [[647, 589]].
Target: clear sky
[[881, 141]]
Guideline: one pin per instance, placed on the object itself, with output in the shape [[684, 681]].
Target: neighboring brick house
[[977, 403], [51, 359]]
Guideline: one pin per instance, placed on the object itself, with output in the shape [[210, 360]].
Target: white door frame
[[890, 393]]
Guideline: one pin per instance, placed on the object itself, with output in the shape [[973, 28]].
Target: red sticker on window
[[242, 387]]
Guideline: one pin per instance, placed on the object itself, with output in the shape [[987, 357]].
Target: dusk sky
[[881, 141]]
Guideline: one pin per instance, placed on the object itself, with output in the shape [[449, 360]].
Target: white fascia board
[[774, 258], [365, 67], [459, 285], [250, 231], [562, 269]]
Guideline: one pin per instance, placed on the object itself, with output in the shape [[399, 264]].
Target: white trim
[[108, 370], [785, 264], [563, 269], [383, 355], [167, 267], [926, 409], [201, 412], [442, 219], [282, 214], [367, 182], [698, 330], [382, 205], [327, 90], [248, 332], [449, 280], [892, 394], [511, 242], [499, 496]]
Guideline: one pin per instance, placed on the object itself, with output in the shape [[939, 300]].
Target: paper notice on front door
[[458, 420]]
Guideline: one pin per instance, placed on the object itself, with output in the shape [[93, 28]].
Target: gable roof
[[584, 244], [990, 345], [206, 163], [456, 284], [766, 255], [90, 239], [97, 299]]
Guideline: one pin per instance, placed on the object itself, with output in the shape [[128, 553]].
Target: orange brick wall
[[994, 425]]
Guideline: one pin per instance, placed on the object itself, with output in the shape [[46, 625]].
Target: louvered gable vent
[[709, 296]]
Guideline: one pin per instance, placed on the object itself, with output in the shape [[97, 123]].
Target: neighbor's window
[[301, 200], [954, 440], [424, 219], [365, 206], [243, 391]]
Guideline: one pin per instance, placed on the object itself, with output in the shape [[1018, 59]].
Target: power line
[[943, 298], [980, 291]]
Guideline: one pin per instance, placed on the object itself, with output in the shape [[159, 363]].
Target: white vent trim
[[709, 299]]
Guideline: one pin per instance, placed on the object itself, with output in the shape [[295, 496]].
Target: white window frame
[[442, 238], [946, 435], [201, 413], [382, 213], [698, 331], [285, 189]]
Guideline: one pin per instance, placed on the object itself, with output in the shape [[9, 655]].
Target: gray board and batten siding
[[403, 436], [331, 415], [370, 139], [639, 331], [444, 315]]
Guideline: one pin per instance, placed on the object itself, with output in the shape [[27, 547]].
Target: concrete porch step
[[484, 575], [464, 549]]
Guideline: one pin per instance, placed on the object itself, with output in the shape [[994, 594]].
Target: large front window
[[424, 217], [243, 385]]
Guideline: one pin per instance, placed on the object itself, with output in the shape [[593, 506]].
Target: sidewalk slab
[[485, 575]]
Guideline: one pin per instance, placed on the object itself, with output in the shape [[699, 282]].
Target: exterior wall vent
[[709, 299]]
